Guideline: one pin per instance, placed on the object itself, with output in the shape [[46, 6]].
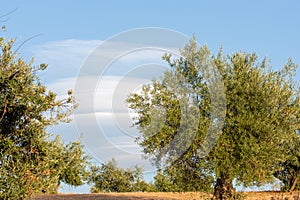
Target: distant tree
[[262, 115], [30, 162], [164, 183], [111, 178]]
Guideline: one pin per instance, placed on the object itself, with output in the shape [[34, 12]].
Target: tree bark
[[223, 189]]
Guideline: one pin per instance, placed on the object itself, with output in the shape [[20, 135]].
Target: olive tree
[[109, 177], [30, 161], [253, 132]]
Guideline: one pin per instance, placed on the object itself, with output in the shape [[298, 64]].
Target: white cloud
[[64, 53], [103, 94], [105, 133], [61, 86], [105, 140], [102, 116], [66, 58]]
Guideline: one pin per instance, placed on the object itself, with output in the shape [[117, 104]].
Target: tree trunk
[[223, 189]]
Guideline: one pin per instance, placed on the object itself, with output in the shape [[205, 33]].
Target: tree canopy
[[112, 178], [247, 141], [30, 161]]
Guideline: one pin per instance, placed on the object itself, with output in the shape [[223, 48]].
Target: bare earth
[[166, 196]]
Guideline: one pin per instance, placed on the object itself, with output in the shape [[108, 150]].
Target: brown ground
[[166, 196]]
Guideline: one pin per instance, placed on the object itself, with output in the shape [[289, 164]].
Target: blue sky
[[69, 31], [268, 27]]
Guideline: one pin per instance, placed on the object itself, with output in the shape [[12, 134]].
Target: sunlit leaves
[[262, 115], [29, 161]]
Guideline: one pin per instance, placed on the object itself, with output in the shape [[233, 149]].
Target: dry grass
[[167, 196], [272, 196], [128, 196]]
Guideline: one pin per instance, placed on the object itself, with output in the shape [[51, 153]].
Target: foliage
[[164, 183], [75, 162], [29, 161], [178, 179], [111, 178], [262, 115], [289, 174], [69, 163]]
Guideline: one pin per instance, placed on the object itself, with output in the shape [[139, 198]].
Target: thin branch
[[1, 16], [30, 38], [4, 110]]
